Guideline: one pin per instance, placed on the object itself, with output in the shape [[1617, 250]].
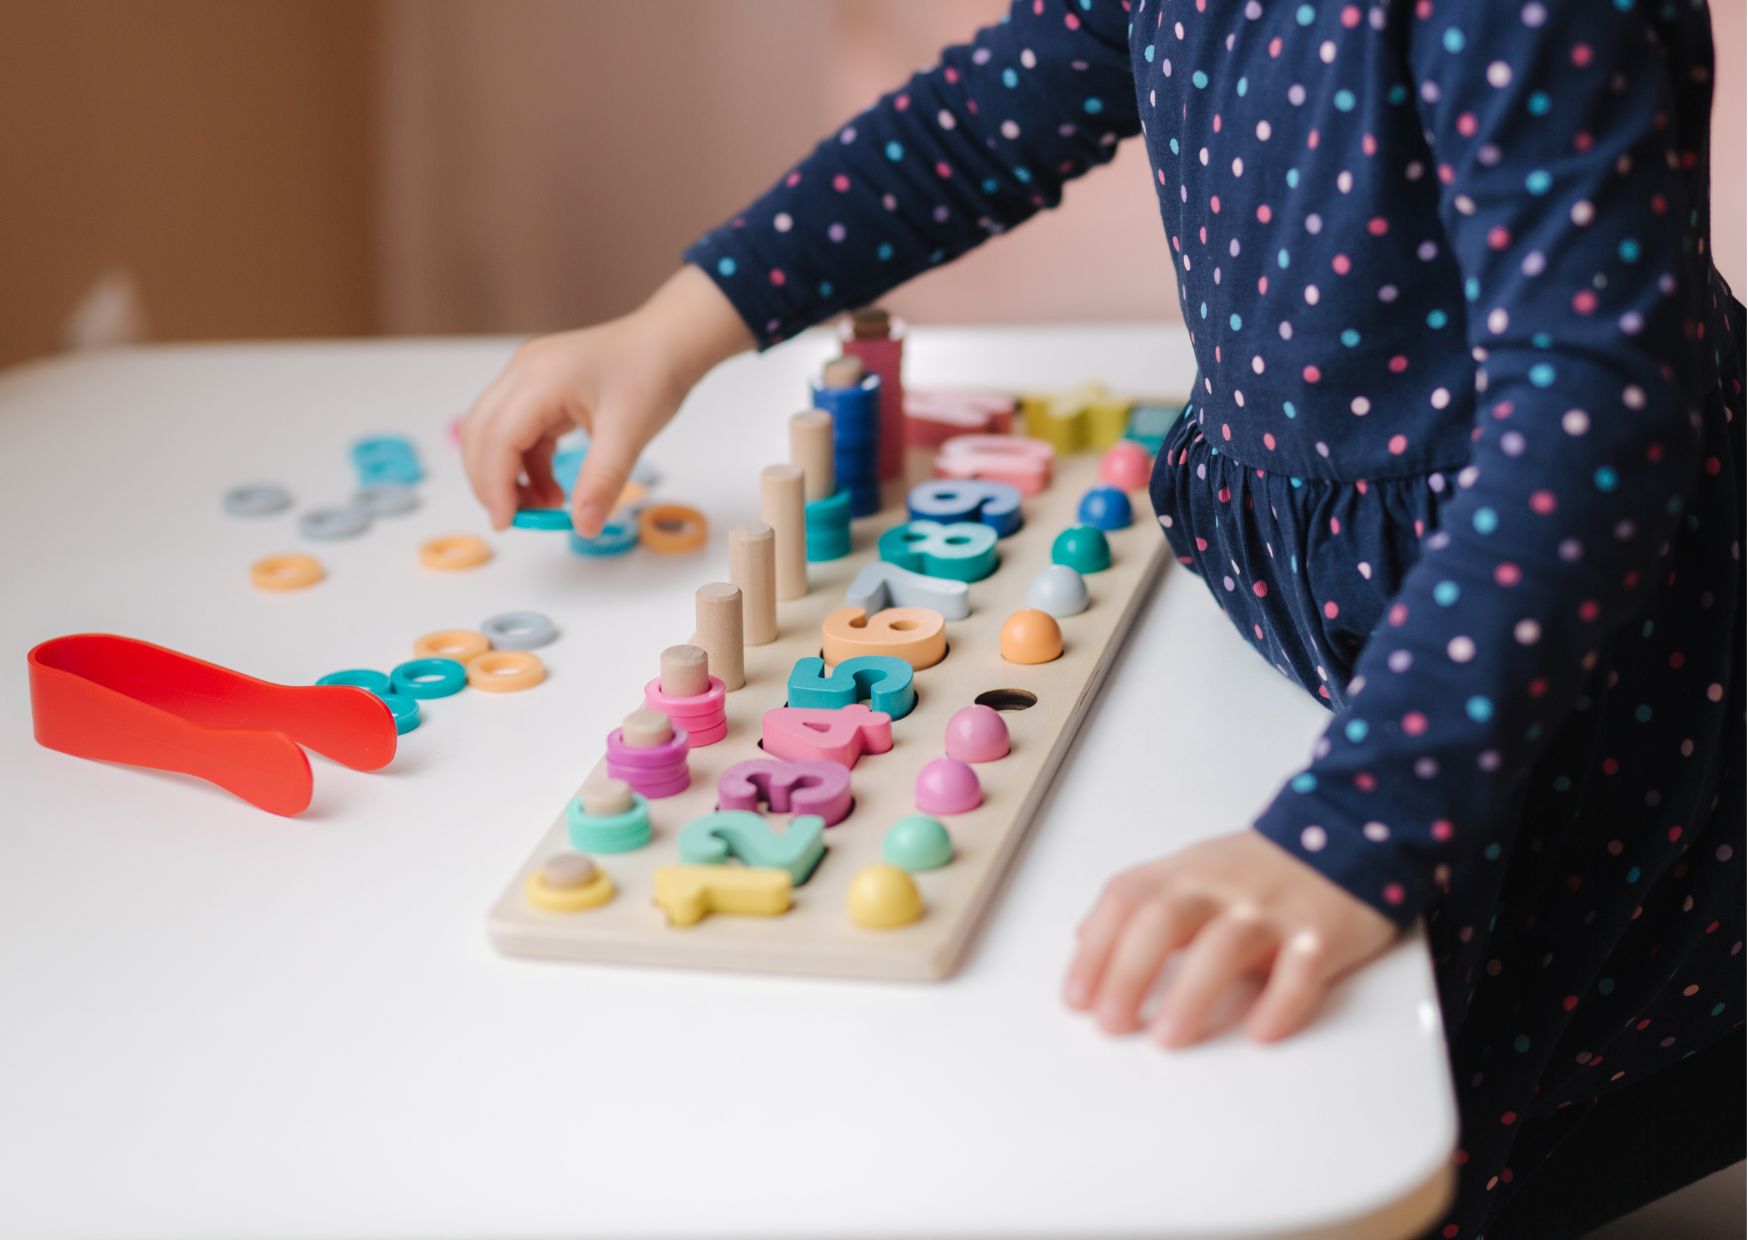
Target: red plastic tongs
[[114, 699]]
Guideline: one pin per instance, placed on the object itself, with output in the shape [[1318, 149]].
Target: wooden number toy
[[995, 504], [690, 893], [810, 786], [914, 634], [881, 680], [963, 550], [884, 584], [1084, 417], [840, 735], [933, 417], [820, 731], [1024, 463], [714, 838]]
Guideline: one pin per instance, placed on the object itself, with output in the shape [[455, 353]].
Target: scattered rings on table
[[256, 499], [386, 499], [286, 572], [617, 536], [670, 529], [359, 678], [517, 630], [453, 552], [461, 645], [506, 671], [428, 678], [340, 521], [541, 519], [405, 710]]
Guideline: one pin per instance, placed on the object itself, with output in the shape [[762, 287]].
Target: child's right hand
[[620, 381]]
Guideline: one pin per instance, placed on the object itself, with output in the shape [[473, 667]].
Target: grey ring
[[519, 630], [323, 524], [386, 499], [257, 499]]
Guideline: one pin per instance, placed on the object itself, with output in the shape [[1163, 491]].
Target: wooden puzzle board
[[816, 936]]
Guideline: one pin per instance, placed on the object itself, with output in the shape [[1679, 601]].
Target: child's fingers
[[541, 490], [475, 425], [1294, 990], [514, 430], [1097, 935], [1226, 949], [606, 470], [1158, 928]]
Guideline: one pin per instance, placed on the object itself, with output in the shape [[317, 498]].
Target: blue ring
[[405, 710], [359, 678], [616, 538], [541, 519], [428, 678]]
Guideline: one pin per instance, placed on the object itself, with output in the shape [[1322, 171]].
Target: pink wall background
[[546, 161]]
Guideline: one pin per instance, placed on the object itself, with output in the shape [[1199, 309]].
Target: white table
[[217, 1023]]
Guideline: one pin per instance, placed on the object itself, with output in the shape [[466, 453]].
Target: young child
[[1462, 459]]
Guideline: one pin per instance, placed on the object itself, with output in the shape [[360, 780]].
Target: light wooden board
[[816, 936]]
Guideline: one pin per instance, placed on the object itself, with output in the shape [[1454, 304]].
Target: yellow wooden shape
[[1084, 417], [690, 893]]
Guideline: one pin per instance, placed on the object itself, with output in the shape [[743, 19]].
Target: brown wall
[[220, 150]]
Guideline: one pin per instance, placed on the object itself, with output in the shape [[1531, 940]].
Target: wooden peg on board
[[685, 671], [719, 632], [810, 446], [782, 504], [752, 565]]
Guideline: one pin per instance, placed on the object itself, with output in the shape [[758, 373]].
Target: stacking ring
[[359, 678], [261, 499], [341, 521], [286, 572], [405, 710], [506, 671], [428, 678], [386, 499], [541, 519], [458, 644], [517, 630], [672, 528], [454, 552]]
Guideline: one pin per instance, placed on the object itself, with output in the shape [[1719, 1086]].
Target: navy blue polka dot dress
[[1463, 458]]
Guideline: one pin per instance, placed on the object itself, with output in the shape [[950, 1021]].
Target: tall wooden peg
[[782, 500], [752, 565], [810, 446], [719, 632]]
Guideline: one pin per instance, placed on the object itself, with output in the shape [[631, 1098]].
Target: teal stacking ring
[[359, 678], [541, 519], [405, 710], [428, 678]]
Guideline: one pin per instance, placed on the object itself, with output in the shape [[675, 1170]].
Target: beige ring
[[462, 645], [672, 528], [454, 552], [506, 671], [591, 894], [286, 572]]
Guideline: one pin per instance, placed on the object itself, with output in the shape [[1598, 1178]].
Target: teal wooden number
[[726, 833], [881, 680]]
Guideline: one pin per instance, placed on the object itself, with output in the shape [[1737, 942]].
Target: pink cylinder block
[[703, 715], [977, 734], [947, 786], [1126, 465], [659, 771]]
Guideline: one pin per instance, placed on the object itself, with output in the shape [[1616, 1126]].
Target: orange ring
[[506, 671], [462, 645], [669, 529], [286, 572], [634, 493], [453, 552]]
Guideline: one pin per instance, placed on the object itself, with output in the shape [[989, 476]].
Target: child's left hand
[[1233, 905]]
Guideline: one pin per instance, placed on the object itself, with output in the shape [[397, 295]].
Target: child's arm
[[965, 150], [1564, 207]]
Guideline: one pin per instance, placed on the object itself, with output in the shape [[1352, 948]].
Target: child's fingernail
[[588, 520]]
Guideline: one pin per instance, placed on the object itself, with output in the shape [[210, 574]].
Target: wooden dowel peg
[[719, 632], [842, 372], [752, 565], [685, 671], [782, 499], [645, 729], [810, 446]]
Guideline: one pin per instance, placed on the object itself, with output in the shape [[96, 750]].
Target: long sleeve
[[965, 150], [1565, 207]]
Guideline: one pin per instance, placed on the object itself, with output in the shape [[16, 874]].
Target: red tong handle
[[114, 699]]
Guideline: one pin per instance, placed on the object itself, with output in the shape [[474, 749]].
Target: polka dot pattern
[[1464, 459]]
